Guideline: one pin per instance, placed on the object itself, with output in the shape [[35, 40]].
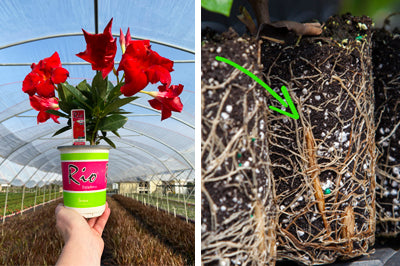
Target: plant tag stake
[[78, 126]]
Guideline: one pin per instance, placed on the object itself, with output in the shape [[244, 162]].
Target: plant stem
[[94, 135], [116, 74], [151, 93]]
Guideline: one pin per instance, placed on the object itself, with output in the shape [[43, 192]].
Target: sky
[[168, 22]]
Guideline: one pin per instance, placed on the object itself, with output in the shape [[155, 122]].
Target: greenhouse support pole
[[167, 202], [34, 204], [44, 193], [186, 213], [22, 202], [5, 205], [96, 17], [167, 197], [179, 188], [148, 193]]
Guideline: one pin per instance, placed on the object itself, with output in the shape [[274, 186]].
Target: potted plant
[[99, 104]]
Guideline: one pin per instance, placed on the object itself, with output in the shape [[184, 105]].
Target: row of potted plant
[[178, 234]]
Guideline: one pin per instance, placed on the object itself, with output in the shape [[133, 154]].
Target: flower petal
[[135, 83], [43, 104], [156, 59], [53, 61], [122, 40], [176, 90], [165, 113], [45, 88], [128, 37], [157, 73], [59, 75], [100, 50], [55, 118], [155, 104], [30, 82], [42, 117], [167, 100], [176, 105]]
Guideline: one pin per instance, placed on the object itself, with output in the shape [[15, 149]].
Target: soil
[[386, 58], [237, 206], [330, 149], [323, 163]]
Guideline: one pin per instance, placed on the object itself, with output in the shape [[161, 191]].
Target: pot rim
[[101, 147]]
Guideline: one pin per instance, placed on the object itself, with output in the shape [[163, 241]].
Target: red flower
[[100, 50], [167, 100], [44, 76], [141, 66], [42, 104]]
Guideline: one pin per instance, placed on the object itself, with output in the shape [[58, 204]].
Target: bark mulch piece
[[323, 164], [237, 207]]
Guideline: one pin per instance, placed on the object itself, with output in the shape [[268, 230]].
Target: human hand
[[83, 242]]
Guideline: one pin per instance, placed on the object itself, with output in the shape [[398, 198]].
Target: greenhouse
[[153, 162]]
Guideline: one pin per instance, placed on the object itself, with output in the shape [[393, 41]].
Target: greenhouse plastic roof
[[148, 147]]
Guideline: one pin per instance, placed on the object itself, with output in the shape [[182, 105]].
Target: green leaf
[[66, 128], [66, 107], [112, 122], [110, 87], [109, 141], [100, 85], [60, 92], [219, 6], [54, 112], [63, 92], [120, 112], [117, 104], [114, 93], [83, 86], [78, 95], [116, 133], [89, 95]]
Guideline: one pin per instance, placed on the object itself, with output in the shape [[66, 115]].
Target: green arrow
[[288, 103]]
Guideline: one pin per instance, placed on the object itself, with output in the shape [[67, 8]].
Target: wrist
[[85, 250]]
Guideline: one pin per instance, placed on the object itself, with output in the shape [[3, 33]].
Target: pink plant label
[[84, 176], [78, 126]]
